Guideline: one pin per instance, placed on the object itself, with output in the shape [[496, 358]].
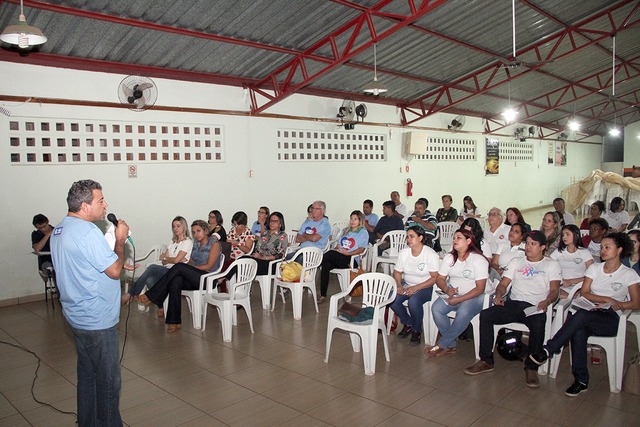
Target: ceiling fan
[[515, 62]]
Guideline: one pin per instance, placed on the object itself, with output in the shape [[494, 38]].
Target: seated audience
[[474, 226], [446, 212], [534, 280], [388, 222], [611, 287], [551, 226], [401, 210], [352, 241], [370, 219], [205, 258], [616, 216], [497, 234], [469, 209], [415, 273], [633, 261], [573, 257], [240, 236], [315, 231], [597, 229], [462, 277], [215, 226], [559, 206], [507, 252], [261, 224], [424, 218], [597, 208], [514, 215], [178, 250], [271, 244], [40, 242]]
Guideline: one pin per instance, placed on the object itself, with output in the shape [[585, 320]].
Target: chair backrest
[[311, 260], [397, 241], [377, 288], [447, 229], [291, 238], [246, 269]]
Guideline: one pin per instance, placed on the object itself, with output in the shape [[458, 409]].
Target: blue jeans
[[98, 395], [414, 317], [465, 311], [577, 330], [149, 277]]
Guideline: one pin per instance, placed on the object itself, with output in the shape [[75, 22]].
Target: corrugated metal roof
[[447, 59]]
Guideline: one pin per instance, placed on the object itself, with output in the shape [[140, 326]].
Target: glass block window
[[446, 148], [39, 141], [294, 145], [516, 151]]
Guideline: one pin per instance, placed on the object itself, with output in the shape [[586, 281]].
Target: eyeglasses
[[262, 212], [493, 214], [634, 241], [316, 209]]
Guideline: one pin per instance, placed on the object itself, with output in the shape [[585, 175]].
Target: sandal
[[160, 312], [432, 351], [445, 351], [321, 299], [173, 328], [143, 299]]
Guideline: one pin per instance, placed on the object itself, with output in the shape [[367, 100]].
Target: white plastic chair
[[238, 293], [344, 273], [430, 329], [265, 284], [562, 311], [515, 326], [194, 298], [292, 245], [311, 259], [397, 242], [614, 190], [379, 290], [447, 229]]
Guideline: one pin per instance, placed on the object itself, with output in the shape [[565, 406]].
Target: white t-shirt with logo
[[463, 274], [531, 281], [573, 265], [614, 285], [497, 238], [507, 253], [417, 269]]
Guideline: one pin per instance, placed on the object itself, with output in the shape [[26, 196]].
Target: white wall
[[632, 145], [163, 190]]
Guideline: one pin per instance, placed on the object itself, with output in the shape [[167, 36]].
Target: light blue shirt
[[322, 227], [90, 299], [372, 219]]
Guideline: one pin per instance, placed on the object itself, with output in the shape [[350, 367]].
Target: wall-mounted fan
[[349, 114], [137, 92], [515, 62], [520, 132], [532, 131], [457, 123]]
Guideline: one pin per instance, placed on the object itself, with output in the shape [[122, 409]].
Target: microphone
[[113, 220]]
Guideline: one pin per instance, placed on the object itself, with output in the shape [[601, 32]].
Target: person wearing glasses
[[498, 233], [262, 223], [271, 244], [215, 226], [315, 231]]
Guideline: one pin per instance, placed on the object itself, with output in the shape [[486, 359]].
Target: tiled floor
[[277, 376]]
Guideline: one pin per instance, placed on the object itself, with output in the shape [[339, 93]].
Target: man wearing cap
[[535, 282]]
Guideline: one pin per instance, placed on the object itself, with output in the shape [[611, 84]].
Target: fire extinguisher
[[409, 187]]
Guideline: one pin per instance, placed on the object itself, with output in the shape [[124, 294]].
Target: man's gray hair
[[81, 191], [322, 204]]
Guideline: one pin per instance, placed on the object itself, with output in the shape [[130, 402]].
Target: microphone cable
[[126, 321]]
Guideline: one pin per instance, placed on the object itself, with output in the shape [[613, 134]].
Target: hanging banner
[[492, 164], [561, 153], [550, 151]]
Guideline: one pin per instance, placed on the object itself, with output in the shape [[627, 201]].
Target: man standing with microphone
[[88, 273]]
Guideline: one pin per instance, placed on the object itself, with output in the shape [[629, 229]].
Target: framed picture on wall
[[561, 153], [551, 149]]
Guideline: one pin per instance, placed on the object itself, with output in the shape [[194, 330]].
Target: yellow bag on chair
[[290, 271]]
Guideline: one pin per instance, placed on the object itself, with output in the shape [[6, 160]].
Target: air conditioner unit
[[417, 143]]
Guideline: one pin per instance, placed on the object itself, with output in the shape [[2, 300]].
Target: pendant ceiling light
[[509, 114], [375, 87], [22, 34]]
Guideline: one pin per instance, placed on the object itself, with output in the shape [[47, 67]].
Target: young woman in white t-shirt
[[612, 287], [462, 277], [573, 257], [415, 273], [514, 249]]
